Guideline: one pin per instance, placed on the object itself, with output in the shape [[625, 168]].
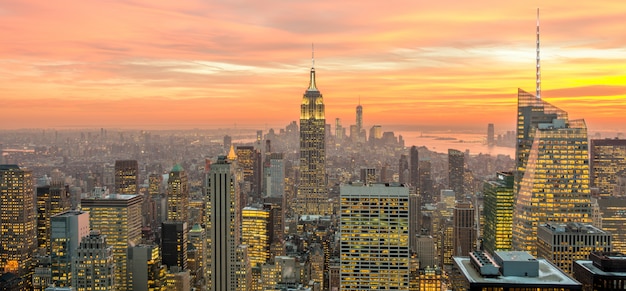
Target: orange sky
[[216, 63]]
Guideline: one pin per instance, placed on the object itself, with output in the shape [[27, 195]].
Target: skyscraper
[[118, 217], [552, 167], [52, 199], [177, 195], [174, 244], [555, 185], [312, 195], [426, 182], [197, 257], [255, 233], [144, 261], [68, 229], [414, 175], [613, 210], [456, 169], [18, 238], [275, 176], [403, 169], [222, 225], [359, 117], [126, 177], [95, 264], [498, 213], [464, 228], [607, 163], [374, 228], [249, 161], [491, 140]]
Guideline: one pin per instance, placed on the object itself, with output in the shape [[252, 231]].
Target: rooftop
[[548, 274]]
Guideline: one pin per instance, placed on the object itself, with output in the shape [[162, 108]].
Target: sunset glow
[[205, 64]]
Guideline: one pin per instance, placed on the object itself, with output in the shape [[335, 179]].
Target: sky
[[416, 65]]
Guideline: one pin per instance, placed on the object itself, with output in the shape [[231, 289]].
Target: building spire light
[[538, 90], [312, 86]]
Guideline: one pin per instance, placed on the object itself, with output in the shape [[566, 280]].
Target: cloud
[[225, 62]]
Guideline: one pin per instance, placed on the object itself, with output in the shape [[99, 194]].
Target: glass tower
[[498, 213], [555, 182]]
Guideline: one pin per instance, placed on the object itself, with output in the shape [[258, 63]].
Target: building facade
[[562, 244], [222, 225], [374, 228], [178, 195], [126, 177], [498, 212], [95, 265], [607, 163], [67, 230], [465, 228], [555, 185], [118, 218], [456, 170], [17, 222]]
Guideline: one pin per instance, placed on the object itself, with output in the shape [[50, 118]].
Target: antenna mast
[[538, 61]]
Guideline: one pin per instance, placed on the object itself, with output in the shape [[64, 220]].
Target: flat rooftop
[[597, 271], [514, 256], [548, 275]]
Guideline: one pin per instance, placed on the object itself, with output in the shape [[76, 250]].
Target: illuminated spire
[[312, 86], [231, 154], [538, 61], [312, 55]]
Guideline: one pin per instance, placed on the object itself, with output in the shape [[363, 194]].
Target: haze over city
[[207, 64]]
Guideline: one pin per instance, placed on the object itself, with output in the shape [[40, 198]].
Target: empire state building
[[312, 195]]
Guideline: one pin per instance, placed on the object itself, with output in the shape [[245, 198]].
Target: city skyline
[[211, 64]]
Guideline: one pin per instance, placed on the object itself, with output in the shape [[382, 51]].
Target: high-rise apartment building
[[564, 243], [95, 267], [498, 212], [67, 231], [255, 233], [312, 193], [374, 228], [118, 217], [607, 163], [222, 225], [464, 227], [18, 239], [126, 177], [456, 170], [177, 195]]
